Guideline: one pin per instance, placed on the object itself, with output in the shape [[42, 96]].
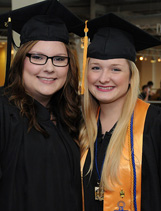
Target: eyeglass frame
[[48, 57]]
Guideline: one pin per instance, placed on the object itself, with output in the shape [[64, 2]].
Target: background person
[[145, 93], [150, 85], [157, 95]]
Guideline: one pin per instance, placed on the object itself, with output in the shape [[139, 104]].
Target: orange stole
[[112, 199]]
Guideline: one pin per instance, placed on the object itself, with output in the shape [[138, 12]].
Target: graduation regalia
[[37, 173], [151, 169]]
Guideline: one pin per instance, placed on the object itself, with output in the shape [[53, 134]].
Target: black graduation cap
[[113, 37], [50, 7], [44, 27], [48, 20]]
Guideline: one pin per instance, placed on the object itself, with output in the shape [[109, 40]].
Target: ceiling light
[[153, 60]]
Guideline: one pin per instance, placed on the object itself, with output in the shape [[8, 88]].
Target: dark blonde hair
[[66, 101], [88, 130]]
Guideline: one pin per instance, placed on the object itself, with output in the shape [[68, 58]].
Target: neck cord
[[132, 155], [133, 159]]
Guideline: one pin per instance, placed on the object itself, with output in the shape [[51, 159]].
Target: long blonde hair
[[88, 131]]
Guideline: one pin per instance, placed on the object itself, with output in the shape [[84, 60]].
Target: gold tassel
[[84, 56]]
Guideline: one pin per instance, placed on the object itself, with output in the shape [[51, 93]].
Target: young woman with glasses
[[39, 119]]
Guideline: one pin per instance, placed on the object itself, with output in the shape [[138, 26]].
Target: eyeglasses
[[40, 59]]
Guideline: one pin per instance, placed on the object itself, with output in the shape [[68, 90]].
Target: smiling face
[[108, 80], [42, 81]]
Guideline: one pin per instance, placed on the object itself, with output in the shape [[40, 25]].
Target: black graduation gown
[[37, 173], [151, 165]]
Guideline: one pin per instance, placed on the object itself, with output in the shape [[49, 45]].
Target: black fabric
[[113, 37], [45, 28], [142, 95], [51, 7], [110, 43], [151, 166], [37, 173]]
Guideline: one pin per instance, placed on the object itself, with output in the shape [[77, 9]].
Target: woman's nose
[[105, 76], [49, 66]]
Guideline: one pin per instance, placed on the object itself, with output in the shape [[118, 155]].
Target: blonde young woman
[[120, 154]]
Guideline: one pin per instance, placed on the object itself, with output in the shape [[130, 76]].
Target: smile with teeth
[[105, 87], [46, 79]]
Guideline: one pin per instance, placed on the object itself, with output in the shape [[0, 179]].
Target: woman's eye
[[116, 69], [95, 68], [37, 57], [59, 58]]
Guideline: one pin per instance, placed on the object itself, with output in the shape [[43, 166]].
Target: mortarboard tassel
[[9, 41], [84, 56]]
